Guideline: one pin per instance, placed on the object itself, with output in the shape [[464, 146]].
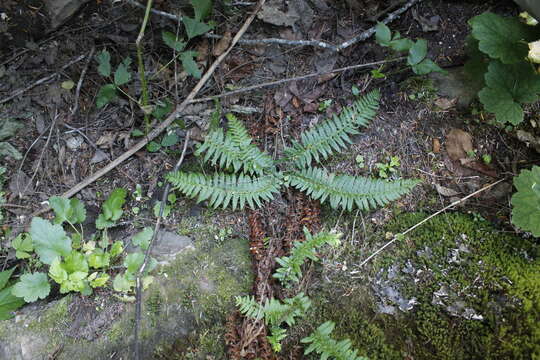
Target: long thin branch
[[296, 78], [140, 273], [315, 43], [140, 61], [80, 82], [42, 80], [162, 126], [399, 236]]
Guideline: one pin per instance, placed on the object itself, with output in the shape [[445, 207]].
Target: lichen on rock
[[455, 288]]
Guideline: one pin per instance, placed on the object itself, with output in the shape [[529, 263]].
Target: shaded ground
[[408, 126]]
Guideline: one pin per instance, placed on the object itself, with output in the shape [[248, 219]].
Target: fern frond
[[249, 307], [224, 189], [291, 266], [333, 134], [274, 311], [278, 334], [235, 149], [348, 191], [321, 342]]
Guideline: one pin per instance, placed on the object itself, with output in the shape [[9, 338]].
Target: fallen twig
[[315, 43], [154, 11], [398, 236], [138, 288], [296, 78], [81, 79], [41, 81], [162, 126]]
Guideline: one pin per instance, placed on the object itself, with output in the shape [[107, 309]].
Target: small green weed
[[416, 51], [389, 168]]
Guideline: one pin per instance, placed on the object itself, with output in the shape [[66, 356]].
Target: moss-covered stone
[[455, 288], [183, 311]]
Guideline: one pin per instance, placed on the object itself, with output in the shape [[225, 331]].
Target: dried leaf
[[222, 44], [445, 103], [458, 144], [481, 167], [444, 191], [436, 146]]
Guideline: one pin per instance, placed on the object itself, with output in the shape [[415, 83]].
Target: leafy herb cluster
[[499, 66], [74, 263], [416, 50]]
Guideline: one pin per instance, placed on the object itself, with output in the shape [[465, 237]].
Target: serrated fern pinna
[[250, 176]]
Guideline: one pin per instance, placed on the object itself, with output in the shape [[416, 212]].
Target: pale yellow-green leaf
[[68, 85], [529, 20], [534, 51]]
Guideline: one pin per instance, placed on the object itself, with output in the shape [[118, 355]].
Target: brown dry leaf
[[311, 107], [295, 102], [480, 167], [107, 139], [444, 191], [222, 44], [445, 103], [202, 50], [436, 146], [326, 77], [458, 144]]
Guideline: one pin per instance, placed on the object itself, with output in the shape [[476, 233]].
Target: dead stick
[[41, 81], [80, 82], [296, 78], [142, 268], [315, 43], [161, 127], [398, 236]]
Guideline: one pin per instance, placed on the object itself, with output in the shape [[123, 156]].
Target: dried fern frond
[[333, 134], [347, 191], [224, 189]]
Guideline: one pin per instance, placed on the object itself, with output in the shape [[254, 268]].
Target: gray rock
[[61, 10], [168, 245], [455, 84], [189, 297]]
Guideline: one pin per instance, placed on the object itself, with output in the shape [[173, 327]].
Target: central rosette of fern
[[251, 176]]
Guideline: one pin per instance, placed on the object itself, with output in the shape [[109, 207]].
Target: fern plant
[[251, 176], [321, 342], [290, 269], [275, 313]]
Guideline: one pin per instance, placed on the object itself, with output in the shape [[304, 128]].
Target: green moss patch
[[455, 288]]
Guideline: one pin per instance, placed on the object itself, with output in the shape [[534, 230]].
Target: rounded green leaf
[[104, 61], [117, 248], [133, 262], [383, 34], [32, 287], [99, 259], [74, 262], [526, 201], [50, 241], [143, 238], [122, 284], [106, 94], [57, 272], [417, 52], [500, 37]]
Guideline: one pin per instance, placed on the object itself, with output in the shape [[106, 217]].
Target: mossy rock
[[183, 312], [454, 288]]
